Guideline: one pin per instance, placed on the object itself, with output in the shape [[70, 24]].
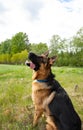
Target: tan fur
[[42, 73], [39, 93], [42, 96], [49, 120]]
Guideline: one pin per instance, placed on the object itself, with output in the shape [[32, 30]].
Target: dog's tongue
[[32, 65]]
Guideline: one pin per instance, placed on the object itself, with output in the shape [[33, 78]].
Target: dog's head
[[41, 64]]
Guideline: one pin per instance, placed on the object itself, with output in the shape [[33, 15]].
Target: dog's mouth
[[30, 64], [34, 61]]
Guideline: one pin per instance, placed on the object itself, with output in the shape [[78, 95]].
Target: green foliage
[[16, 44], [5, 58], [19, 58], [19, 42], [78, 40], [39, 48], [70, 59], [55, 44], [15, 50], [69, 51], [5, 47]]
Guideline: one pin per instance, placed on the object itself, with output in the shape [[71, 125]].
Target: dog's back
[[62, 109]]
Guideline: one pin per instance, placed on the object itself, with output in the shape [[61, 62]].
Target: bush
[[5, 58], [19, 58]]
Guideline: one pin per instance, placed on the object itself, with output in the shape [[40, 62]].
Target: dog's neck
[[40, 75], [49, 78], [42, 81]]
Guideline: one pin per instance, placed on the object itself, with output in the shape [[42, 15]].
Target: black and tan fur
[[49, 97]]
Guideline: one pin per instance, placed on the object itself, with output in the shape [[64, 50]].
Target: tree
[[55, 44], [39, 48], [5, 47], [19, 42], [78, 41]]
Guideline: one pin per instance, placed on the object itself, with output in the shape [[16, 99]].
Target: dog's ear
[[52, 60], [46, 53]]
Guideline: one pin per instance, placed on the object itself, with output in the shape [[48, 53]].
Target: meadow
[[16, 108]]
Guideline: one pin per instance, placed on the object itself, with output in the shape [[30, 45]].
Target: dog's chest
[[39, 91]]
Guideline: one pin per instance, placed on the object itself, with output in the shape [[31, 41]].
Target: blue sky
[[65, 0], [40, 19]]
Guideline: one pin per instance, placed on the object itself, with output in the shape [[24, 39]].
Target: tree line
[[69, 51]]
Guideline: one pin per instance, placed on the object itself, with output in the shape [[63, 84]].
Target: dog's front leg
[[37, 115]]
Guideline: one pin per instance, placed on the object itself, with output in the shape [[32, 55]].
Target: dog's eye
[[45, 60]]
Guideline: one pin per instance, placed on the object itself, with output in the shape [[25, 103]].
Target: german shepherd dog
[[49, 98]]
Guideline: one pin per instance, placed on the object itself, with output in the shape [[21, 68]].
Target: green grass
[[16, 110]]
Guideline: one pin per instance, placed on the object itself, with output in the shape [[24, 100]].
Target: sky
[[40, 19]]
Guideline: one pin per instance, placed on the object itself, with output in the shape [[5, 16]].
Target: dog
[[49, 97]]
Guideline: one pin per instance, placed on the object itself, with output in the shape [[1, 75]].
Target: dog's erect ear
[[52, 60], [46, 53]]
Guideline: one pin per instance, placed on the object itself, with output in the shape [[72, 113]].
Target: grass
[[16, 109]]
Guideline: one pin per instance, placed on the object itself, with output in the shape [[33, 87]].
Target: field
[[16, 109]]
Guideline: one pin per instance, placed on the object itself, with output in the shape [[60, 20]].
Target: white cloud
[[33, 7], [40, 19]]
